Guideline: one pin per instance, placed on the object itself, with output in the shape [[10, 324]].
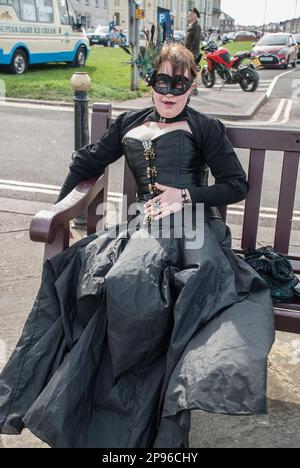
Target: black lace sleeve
[[231, 184], [91, 160]]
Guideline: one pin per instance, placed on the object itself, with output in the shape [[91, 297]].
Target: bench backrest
[[258, 141]]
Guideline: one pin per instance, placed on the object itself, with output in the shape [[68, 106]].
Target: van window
[[72, 14], [28, 10], [44, 11], [63, 12], [14, 3]]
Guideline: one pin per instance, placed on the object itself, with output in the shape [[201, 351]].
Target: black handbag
[[276, 270]]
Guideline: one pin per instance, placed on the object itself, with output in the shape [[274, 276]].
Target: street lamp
[[265, 15], [296, 6], [205, 13], [134, 41]]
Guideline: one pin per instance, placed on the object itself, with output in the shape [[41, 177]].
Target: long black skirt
[[131, 330]]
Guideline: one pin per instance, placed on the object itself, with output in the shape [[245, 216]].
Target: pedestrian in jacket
[[193, 37]]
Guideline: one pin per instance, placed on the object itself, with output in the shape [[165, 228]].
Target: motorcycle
[[230, 69]]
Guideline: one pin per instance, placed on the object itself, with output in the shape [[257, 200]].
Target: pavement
[[21, 266], [228, 102], [212, 102]]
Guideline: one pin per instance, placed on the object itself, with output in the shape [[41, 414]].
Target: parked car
[[89, 32], [229, 36], [245, 36], [297, 38], [123, 37], [179, 36], [275, 50], [101, 36], [115, 37]]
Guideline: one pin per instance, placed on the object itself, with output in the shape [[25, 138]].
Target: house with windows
[[96, 11]]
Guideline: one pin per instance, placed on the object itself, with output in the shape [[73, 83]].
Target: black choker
[[157, 118]]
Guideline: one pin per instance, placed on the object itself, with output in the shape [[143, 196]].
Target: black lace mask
[[165, 84]]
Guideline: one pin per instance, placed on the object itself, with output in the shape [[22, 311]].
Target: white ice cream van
[[40, 31]]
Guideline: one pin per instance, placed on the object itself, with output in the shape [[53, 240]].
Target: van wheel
[[80, 58], [19, 63]]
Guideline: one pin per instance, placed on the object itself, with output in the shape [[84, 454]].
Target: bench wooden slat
[[223, 212], [264, 139], [286, 202], [287, 320], [129, 191], [252, 204], [101, 119], [295, 263]]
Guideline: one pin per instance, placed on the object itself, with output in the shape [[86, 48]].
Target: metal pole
[[205, 13], [265, 15], [81, 83], [134, 44], [137, 50]]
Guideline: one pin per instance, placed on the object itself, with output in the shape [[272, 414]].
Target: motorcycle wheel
[[208, 78], [250, 81]]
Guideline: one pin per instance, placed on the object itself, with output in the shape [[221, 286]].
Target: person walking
[[193, 37]]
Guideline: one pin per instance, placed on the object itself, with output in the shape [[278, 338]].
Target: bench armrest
[[45, 224]]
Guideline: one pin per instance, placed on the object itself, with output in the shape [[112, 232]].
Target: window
[[72, 14], [63, 12], [32, 10], [28, 10], [44, 11], [14, 3]]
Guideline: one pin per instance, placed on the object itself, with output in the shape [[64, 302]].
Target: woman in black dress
[[134, 327]]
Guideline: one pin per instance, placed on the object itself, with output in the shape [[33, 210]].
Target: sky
[[252, 12]]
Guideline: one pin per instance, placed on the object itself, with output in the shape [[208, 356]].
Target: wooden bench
[[52, 226]]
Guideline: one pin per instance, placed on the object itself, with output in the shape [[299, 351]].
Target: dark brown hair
[[180, 58]]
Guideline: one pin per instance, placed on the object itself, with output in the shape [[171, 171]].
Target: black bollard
[[81, 83]]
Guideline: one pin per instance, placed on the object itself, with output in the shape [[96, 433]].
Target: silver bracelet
[[185, 197]]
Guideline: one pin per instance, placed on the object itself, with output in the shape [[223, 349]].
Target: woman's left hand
[[170, 202]]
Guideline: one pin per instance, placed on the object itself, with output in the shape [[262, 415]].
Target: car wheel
[[19, 63], [286, 66], [294, 64]]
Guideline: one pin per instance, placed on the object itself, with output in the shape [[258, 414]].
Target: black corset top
[[171, 159]]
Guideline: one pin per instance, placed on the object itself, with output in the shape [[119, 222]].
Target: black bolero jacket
[[215, 152]]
